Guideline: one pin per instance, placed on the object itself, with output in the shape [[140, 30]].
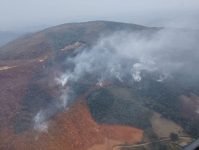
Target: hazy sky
[[17, 14]]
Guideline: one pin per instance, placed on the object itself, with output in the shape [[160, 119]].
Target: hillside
[[55, 38], [70, 86]]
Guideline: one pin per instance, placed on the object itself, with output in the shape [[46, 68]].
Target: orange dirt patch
[[73, 129], [82, 132]]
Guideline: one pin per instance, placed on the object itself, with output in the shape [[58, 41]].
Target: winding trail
[[166, 139]]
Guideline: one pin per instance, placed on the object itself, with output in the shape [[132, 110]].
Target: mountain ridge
[[57, 37]]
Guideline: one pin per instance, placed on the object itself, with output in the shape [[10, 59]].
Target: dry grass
[[163, 127]]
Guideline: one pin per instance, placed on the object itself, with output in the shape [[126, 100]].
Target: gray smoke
[[124, 57], [121, 54]]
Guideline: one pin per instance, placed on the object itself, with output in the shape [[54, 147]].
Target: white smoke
[[63, 79], [100, 83], [65, 96], [136, 72], [39, 122], [125, 55]]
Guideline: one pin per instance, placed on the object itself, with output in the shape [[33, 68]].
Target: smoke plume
[[123, 54], [125, 57]]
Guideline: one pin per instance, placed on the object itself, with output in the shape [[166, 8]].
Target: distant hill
[[51, 39], [7, 36]]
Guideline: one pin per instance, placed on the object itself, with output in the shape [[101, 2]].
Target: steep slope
[[26, 74], [73, 129], [115, 112]]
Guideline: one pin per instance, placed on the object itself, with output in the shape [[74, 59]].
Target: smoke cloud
[[127, 58], [123, 54]]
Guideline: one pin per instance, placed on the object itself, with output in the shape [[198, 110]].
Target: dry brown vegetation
[[72, 129]]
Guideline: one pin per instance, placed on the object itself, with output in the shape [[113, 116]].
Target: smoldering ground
[[167, 52], [125, 57]]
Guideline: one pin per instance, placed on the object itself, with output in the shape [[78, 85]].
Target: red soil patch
[[82, 132], [73, 129]]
